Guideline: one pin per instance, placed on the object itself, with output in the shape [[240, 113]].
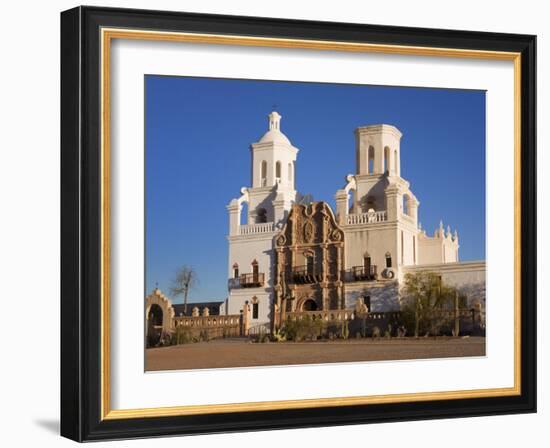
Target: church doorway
[[309, 305], [154, 325]]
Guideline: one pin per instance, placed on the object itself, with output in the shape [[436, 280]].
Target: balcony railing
[[306, 274], [252, 280], [247, 281], [361, 274], [253, 229], [371, 217]]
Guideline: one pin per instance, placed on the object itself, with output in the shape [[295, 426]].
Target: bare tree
[[184, 280]]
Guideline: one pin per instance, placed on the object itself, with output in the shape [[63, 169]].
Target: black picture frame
[[81, 224]]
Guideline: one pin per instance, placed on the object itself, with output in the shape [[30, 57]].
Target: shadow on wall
[[382, 298]]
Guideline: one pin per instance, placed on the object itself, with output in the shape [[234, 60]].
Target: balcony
[[306, 274], [361, 274], [255, 229], [371, 217], [254, 280]]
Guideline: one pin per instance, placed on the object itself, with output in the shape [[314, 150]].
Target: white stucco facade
[[269, 199], [376, 210]]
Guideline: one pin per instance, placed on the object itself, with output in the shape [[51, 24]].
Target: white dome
[[274, 136]]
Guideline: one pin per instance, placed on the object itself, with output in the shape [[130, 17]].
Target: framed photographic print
[[274, 223]]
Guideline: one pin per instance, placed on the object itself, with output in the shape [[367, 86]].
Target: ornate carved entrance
[[309, 261]]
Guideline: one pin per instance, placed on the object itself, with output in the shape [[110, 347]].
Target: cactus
[[345, 329]]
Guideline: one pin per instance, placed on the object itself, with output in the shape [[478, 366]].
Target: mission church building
[[287, 255]]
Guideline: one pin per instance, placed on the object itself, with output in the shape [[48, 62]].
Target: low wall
[[471, 321], [209, 327]]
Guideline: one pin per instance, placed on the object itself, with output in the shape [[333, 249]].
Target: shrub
[[182, 336], [306, 328]]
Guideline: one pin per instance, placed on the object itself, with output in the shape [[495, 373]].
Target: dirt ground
[[241, 353]]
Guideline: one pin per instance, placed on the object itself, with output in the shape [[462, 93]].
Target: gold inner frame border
[[107, 35]]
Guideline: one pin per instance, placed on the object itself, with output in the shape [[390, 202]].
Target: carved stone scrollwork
[[309, 210], [309, 232], [281, 240], [336, 235]]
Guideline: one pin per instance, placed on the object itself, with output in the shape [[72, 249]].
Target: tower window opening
[[278, 170], [235, 270], [289, 173], [387, 165], [388, 260], [263, 173], [370, 167], [371, 204], [406, 205], [261, 216]]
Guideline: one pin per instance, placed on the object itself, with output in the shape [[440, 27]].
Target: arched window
[[263, 173], [370, 168], [395, 163], [289, 173], [278, 170], [244, 213], [387, 160], [235, 270], [261, 216], [406, 204], [351, 201], [388, 260], [367, 264], [255, 271], [371, 204], [255, 307]]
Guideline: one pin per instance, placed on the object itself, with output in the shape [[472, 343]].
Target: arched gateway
[[159, 314]]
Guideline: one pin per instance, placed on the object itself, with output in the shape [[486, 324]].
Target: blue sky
[[198, 133]]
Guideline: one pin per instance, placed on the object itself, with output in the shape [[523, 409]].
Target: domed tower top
[[274, 134], [273, 157]]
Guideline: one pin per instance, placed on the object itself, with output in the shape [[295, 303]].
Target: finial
[[448, 230], [455, 236], [274, 120]]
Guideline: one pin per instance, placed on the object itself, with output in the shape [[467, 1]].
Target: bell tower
[[273, 174], [272, 190]]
